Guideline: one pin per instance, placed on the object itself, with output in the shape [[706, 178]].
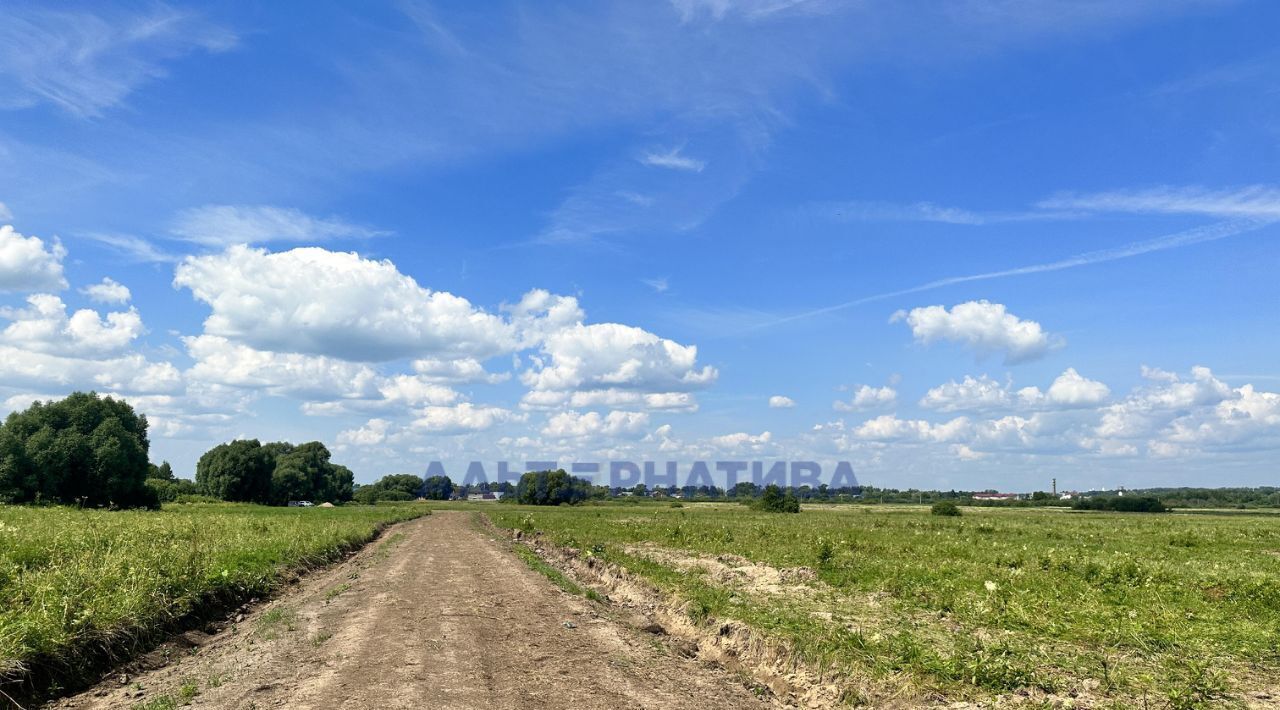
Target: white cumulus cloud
[[1069, 390], [742, 442], [778, 401], [222, 361], [574, 425], [1172, 416], [612, 397], [456, 371], [462, 418], [337, 304], [867, 397], [1072, 390], [982, 326], [45, 327], [107, 291], [612, 355], [26, 369], [29, 264], [372, 433], [972, 393], [888, 427]]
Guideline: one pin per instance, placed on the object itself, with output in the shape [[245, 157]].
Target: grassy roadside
[[556, 576], [80, 587], [485, 525], [1109, 609]]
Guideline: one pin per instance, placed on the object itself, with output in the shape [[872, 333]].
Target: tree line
[[405, 486], [93, 451]]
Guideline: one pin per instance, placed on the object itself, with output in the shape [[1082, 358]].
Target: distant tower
[[1055, 486]]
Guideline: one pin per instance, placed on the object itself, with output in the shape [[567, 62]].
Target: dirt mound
[[734, 571]]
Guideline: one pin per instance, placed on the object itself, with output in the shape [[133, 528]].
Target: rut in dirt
[[440, 614]]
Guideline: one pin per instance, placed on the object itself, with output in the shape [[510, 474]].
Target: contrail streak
[[1208, 233]]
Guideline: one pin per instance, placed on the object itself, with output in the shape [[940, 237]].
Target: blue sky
[[967, 244]]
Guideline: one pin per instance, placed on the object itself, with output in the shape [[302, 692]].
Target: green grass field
[[75, 584], [1114, 609]]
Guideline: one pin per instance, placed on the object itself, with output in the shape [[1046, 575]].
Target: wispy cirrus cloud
[[659, 285], [656, 193], [870, 211], [1253, 201], [133, 248], [222, 225], [674, 160], [727, 68], [86, 61], [1198, 235], [749, 9]]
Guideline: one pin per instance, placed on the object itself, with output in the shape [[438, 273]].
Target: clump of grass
[[186, 693], [165, 702], [1195, 685], [334, 592], [385, 547], [275, 621], [825, 552]]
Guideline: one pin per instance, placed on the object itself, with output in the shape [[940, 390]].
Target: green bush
[[195, 498], [773, 500], [945, 507], [170, 490]]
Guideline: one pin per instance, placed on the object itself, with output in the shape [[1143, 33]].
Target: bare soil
[[735, 571], [439, 614]]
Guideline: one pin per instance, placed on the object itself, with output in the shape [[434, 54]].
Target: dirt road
[[438, 614]]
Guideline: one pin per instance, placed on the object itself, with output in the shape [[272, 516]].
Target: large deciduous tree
[[84, 449], [275, 473], [239, 470], [437, 488], [551, 488]]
